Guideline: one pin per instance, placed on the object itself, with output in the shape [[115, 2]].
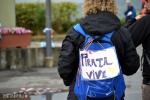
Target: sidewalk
[[11, 81], [48, 78]]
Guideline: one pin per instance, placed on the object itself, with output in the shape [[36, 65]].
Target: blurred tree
[[32, 16]]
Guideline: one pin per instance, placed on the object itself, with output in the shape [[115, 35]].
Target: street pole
[[48, 31]]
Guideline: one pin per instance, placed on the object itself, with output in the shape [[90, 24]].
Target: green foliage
[[32, 16], [64, 14], [122, 21], [29, 16]]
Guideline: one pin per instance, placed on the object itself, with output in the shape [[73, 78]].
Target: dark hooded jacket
[[97, 24], [140, 32]]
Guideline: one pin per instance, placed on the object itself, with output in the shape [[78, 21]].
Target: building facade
[[7, 13]]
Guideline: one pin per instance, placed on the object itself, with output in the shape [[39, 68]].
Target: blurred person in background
[[140, 31], [130, 13], [143, 11]]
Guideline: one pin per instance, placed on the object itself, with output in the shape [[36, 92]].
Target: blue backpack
[[98, 75]]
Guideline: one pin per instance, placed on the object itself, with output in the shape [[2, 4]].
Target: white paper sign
[[99, 65]]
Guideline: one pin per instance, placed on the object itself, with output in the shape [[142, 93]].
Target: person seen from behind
[[99, 18]]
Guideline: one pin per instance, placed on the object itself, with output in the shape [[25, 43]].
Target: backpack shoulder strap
[[80, 30], [108, 36]]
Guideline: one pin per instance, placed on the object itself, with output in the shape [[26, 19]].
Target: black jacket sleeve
[[127, 54], [69, 57], [140, 30]]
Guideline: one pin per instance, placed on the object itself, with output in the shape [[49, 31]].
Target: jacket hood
[[100, 23]]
